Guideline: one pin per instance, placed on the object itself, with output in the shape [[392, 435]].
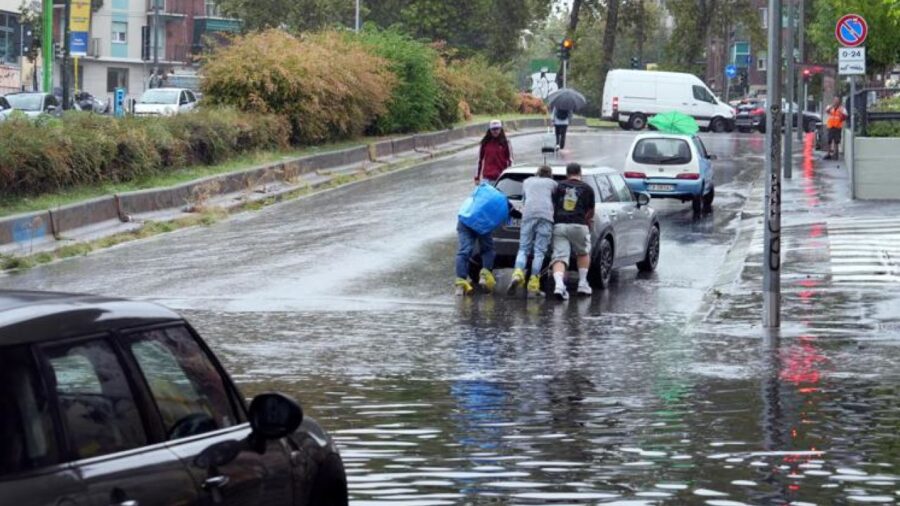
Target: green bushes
[[81, 149], [328, 86], [884, 129], [485, 88], [415, 104]]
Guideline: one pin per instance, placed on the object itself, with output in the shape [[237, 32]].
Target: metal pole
[[565, 71], [156, 39], [801, 85], [357, 15], [852, 106], [47, 47], [772, 234], [64, 68], [791, 98]]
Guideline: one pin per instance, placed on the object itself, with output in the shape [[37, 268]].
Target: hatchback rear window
[[511, 184], [662, 151]]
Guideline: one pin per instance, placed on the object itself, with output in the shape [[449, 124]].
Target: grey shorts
[[568, 237]]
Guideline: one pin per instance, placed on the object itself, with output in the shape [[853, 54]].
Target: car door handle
[[126, 503], [215, 482]]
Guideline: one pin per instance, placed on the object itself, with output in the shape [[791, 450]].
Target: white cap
[[496, 123]]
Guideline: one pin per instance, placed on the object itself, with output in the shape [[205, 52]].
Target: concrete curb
[[45, 230]]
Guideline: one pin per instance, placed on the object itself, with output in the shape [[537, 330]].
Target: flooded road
[[650, 392]]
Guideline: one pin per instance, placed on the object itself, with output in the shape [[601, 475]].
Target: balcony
[[172, 9]]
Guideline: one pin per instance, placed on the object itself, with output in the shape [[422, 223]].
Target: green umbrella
[[675, 123]]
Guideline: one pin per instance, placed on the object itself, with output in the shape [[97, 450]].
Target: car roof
[[33, 317], [661, 135], [168, 89], [26, 93], [559, 170]]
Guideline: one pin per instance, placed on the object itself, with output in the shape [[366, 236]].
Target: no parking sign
[[851, 30]]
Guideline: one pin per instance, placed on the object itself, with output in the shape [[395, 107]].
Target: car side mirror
[[274, 416], [51, 108], [712, 157], [643, 199]]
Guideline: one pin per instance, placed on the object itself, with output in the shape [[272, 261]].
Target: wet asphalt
[[633, 396]]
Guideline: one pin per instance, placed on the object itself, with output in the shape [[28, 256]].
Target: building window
[[9, 38], [212, 8], [764, 17], [116, 78], [761, 63], [119, 32]]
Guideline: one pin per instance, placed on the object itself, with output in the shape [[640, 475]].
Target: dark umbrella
[[566, 99]]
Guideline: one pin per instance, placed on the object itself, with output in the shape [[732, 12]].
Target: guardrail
[[868, 99]]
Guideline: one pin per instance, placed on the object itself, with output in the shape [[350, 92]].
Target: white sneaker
[[584, 289], [561, 293]]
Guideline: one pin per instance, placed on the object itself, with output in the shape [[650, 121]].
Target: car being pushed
[[672, 166], [111, 401], [625, 229]]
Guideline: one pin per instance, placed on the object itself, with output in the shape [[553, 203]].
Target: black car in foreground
[[116, 402]]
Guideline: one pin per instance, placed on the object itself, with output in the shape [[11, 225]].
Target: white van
[[631, 97]]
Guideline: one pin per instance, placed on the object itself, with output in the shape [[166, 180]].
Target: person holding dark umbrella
[[560, 125], [563, 104]]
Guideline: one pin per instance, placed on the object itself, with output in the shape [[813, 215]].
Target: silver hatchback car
[[625, 229]]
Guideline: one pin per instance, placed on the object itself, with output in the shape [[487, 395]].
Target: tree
[[296, 15], [609, 41], [697, 20], [883, 42]]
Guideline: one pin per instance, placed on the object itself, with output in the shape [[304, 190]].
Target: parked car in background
[[118, 402], [165, 102], [632, 97], [752, 116], [672, 166], [34, 104], [84, 101], [625, 228]]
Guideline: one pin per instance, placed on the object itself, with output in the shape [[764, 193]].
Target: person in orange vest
[[835, 123]]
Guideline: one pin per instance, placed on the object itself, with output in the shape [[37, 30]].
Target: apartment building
[[10, 46], [124, 41]]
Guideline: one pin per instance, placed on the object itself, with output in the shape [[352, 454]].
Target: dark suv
[[116, 402]]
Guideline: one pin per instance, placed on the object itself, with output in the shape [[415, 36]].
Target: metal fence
[[867, 103]]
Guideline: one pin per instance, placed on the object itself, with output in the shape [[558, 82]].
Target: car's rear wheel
[[329, 487], [624, 125], [651, 257], [697, 202], [708, 200], [637, 121], [717, 125], [601, 265]]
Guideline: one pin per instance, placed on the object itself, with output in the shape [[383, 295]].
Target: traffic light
[[635, 63], [806, 75], [565, 48]]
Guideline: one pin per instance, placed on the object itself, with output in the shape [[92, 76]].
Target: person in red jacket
[[495, 155]]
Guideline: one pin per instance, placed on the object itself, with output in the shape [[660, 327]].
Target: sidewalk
[[840, 259]]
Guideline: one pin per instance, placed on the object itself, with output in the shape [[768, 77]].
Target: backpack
[[562, 114]]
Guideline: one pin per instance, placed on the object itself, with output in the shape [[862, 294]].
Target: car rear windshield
[[511, 184], [160, 97], [26, 102], [662, 151]]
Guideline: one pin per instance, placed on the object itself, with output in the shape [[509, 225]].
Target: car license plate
[[514, 223], [660, 187]]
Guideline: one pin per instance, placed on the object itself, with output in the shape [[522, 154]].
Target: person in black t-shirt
[[573, 204]]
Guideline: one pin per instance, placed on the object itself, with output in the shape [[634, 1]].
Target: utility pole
[[47, 47], [357, 16], [156, 40], [801, 83], [64, 68], [792, 115], [772, 234]]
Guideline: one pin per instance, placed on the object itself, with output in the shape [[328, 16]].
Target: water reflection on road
[[647, 393]]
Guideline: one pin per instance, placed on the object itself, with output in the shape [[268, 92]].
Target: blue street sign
[[119, 103], [731, 71], [78, 43]]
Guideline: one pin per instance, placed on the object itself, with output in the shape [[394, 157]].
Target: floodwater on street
[[650, 392]]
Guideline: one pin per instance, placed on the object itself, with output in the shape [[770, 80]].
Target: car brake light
[[635, 175], [615, 104], [759, 111], [687, 175]]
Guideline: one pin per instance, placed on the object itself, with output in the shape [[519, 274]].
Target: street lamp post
[[47, 46], [357, 16], [793, 115], [772, 234]]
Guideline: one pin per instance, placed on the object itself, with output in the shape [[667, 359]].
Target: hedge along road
[[344, 299]]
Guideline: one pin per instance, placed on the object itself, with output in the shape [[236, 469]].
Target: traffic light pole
[[792, 115], [64, 68], [47, 47], [565, 71], [801, 83], [772, 233]]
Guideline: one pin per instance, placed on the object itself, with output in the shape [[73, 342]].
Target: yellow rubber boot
[[463, 287], [487, 281]]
